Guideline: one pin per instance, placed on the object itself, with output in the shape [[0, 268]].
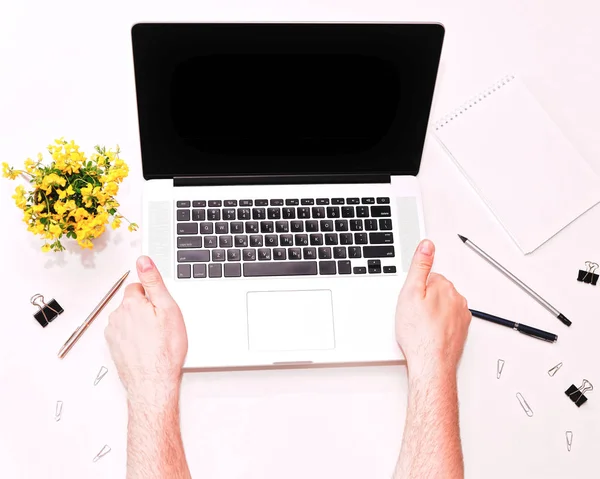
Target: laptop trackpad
[[290, 320]]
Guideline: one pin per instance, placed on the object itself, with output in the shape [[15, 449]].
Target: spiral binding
[[473, 101]]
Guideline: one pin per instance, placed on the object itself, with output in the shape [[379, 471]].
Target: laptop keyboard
[[283, 237]]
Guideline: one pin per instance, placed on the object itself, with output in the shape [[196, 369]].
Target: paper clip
[[100, 375], [499, 368], [554, 370], [58, 411], [48, 312], [524, 405], [577, 394], [569, 435], [588, 276], [103, 452]]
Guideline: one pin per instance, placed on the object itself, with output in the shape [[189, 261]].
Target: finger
[[153, 284], [435, 278], [421, 266], [134, 290]]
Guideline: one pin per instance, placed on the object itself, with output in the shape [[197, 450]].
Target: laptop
[[280, 201]]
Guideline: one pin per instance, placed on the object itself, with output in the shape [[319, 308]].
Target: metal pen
[[516, 280], [81, 329]]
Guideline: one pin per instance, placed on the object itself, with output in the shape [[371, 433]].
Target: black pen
[[522, 328]]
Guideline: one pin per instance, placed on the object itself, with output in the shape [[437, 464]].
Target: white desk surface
[[67, 70]]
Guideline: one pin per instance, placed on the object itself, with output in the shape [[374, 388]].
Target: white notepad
[[521, 165]]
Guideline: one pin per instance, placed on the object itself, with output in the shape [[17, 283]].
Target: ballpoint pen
[[515, 280], [522, 328], [81, 329]]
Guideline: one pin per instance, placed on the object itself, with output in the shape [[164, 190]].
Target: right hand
[[432, 318]]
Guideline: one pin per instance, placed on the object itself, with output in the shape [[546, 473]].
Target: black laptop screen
[[242, 99]]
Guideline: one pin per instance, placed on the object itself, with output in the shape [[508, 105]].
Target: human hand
[[432, 318], [147, 338]]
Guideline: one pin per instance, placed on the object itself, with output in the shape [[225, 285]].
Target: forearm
[[431, 444], [154, 445]]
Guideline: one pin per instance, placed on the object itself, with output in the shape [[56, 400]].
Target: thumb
[[421, 265], [153, 284]]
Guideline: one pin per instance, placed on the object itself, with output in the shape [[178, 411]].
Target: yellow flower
[[70, 205], [70, 191], [111, 188], [61, 194], [29, 165], [116, 223], [79, 214], [9, 172], [60, 207], [55, 230], [40, 157], [19, 197], [46, 248], [39, 228], [38, 208], [132, 227]]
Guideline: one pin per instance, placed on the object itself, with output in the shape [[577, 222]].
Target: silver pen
[[516, 280], [81, 329]]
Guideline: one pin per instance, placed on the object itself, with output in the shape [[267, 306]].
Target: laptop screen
[[285, 99]]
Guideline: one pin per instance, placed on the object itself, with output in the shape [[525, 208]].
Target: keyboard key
[[322, 201], [331, 239], [259, 213], [185, 271], [377, 211], [233, 270], [210, 241], [333, 212], [198, 215], [215, 270], [276, 202], [279, 254], [307, 201], [251, 227], [256, 241], [378, 251], [241, 241], [222, 228], [383, 201], [368, 201], [385, 224], [354, 252], [243, 213], [230, 203], [274, 213], [374, 266], [360, 270], [361, 238], [218, 255], [286, 240], [381, 238], [225, 241], [187, 228], [356, 225], [271, 240], [303, 213], [189, 242], [344, 267], [353, 201], [193, 256], [292, 202], [362, 211], [237, 227], [264, 254], [233, 255], [282, 226], [183, 215], [326, 225], [326, 267], [309, 253], [206, 228], [294, 253], [261, 203], [214, 203], [337, 201], [302, 268], [348, 212], [297, 227], [267, 226], [301, 240], [214, 214], [199, 204], [341, 225], [183, 204], [199, 271], [324, 252], [312, 226], [289, 213], [249, 254], [316, 239], [229, 214], [370, 224], [389, 269], [339, 252], [245, 202], [318, 212], [346, 238]]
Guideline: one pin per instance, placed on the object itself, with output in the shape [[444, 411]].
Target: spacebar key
[[299, 268]]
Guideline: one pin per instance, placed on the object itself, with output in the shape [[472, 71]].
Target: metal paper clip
[[100, 375], [554, 370], [48, 312], [588, 276], [524, 405], [103, 452], [569, 435], [58, 411], [499, 368], [577, 394]]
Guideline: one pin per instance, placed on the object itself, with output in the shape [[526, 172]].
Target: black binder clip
[[588, 276], [576, 394], [48, 312]]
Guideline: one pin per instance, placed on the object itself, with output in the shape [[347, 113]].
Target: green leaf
[[112, 211], [44, 221]]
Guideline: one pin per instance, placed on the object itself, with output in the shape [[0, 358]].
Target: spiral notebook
[[521, 165]]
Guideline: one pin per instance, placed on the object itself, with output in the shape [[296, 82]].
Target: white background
[[66, 69]]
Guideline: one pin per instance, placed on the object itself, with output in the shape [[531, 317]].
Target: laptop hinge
[[279, 179]]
